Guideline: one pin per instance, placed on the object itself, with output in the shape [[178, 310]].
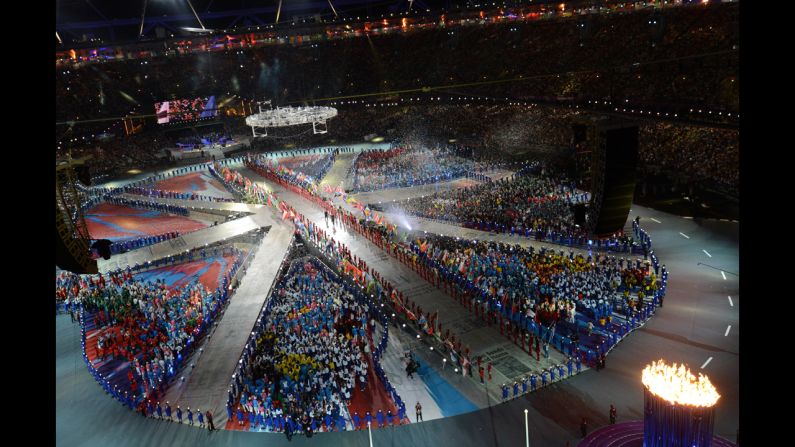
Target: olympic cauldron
[[679, 408]]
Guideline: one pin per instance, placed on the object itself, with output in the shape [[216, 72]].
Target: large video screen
[[182, 110]]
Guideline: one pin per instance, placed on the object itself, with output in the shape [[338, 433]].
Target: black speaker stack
[[612, 145]]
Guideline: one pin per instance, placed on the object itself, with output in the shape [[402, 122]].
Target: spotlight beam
[[195, 15], [58, 37], [332, 8], [143, 15], [279, 11], [197, 30]]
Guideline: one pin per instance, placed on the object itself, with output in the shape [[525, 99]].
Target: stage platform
[[241, 141], [197, 155]]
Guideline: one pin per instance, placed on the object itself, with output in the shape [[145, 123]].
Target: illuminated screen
[[182, 110]]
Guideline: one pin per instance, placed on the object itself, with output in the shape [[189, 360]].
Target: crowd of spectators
[[673, 55], [701, 155], [315, 165], [534, 202], [694, 153], [407, 165], [311, 356], [118, 155], [499, 133], [553, 289], [487, 134], [613, 57], [147, 324]]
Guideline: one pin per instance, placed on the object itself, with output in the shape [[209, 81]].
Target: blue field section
[[450, 401]]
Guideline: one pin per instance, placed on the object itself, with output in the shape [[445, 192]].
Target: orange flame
[[678, 385]]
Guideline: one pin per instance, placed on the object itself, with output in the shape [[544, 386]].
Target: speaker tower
[[613, 154]]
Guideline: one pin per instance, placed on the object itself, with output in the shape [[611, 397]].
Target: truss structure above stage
[[290, 116]]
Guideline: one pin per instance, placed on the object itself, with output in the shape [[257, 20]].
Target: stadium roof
[[113, 21]]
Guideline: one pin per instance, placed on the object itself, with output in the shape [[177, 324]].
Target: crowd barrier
[[134, 244], [159, 193], [138, 187]]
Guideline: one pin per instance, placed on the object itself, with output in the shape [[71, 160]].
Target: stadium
[[397, 223]]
